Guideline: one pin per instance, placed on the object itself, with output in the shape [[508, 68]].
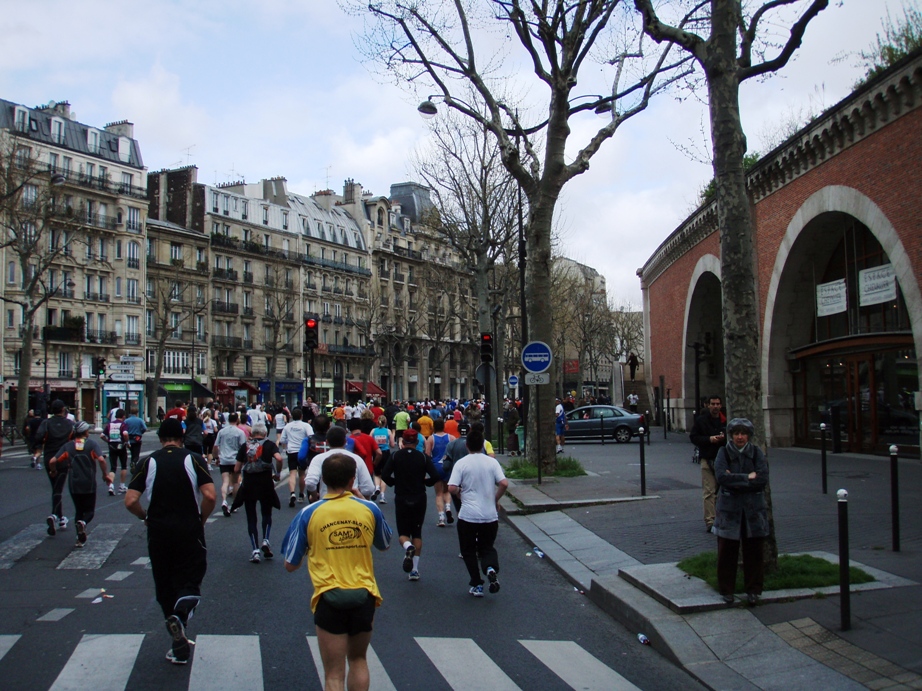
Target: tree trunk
[[25, 371], [742, 359]]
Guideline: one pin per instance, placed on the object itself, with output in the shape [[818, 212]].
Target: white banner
[[876, 285], [831, 298]]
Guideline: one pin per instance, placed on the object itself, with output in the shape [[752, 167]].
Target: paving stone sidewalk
[[594, 527]]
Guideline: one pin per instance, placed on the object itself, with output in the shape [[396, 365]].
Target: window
[[52, 162], [175, 250], [118, 286], [214, 202], [226, 205], [267, 240], [21, 120], [103, 249], [23, 156], [176, 331], [150, 289], [131, 326], [199, 327], [67, 165], [149, 318], [133, 223], [92, 143], [285, 220], [57, 131], [29, 195], [124, 149], [266, 215], [199, 254], [9, 319], [151, 248], [132, 290], [103, 173], [244, 212], [65, 367], [127, 182], [118, 249], [215, 228]]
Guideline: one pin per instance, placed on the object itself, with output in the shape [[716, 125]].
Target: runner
[[342, 572], [385, 440], [290, 439], [409, 472], [228, 442], [81, 455], [210, 429], [136, 428], [440, 441], [480, 482], [116, 434], [255, 460], [52, 434], [336, 441]]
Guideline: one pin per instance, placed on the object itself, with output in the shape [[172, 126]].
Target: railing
[[133, 226], [247, 276], [60, 333], [132, 339], [350, 350], [134, 299], [101, 221], [288, 317], [134, 263], [225, 307], [65, 373], [225, 274], [308, 259], [270, 281], [248, 344], [327, 319], [326, 289], [248, 312], [337, 320], [311, 285], [399, 277], [96, 297], [65, 292], [102, 337], [234, 342], [221, 240]]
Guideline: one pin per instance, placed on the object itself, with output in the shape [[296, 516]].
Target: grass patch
[[794, 571], [521, 469]]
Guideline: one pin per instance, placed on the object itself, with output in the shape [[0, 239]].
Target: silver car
[[593, 421]]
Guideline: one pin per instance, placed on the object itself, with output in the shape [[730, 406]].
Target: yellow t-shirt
[[425, 426]]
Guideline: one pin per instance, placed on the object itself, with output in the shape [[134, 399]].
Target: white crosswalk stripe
[[577, 667], [105, 662], [102, 541], [464, 665], [100, 663], [378, 678], [23, 542], [226, 662]]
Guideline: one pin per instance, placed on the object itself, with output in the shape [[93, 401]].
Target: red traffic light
[[311, 323], [486, 337]]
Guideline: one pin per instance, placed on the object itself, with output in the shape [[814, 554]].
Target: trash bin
[[520, 433]]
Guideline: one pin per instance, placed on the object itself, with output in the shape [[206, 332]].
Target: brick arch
[[833, 198], [707, 264]]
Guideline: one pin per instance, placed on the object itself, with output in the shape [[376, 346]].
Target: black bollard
[[501, 435], [647, 417], [895, 497], [823, 453], [844, 578], [602, 429], [643, 466]]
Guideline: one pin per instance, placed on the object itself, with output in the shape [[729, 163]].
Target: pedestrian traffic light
[[311, 335], [486, 347], [100, 367]]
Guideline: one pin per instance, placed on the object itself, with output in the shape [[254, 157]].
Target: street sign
[[536, 357], [122, 376], [131, 358], [513, 381], [485, 374], [532, 379], [121, 368]]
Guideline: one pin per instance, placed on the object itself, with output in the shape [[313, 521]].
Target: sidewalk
[[621, 548]]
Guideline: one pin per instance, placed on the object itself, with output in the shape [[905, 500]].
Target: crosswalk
[[104, 538], [104, 662]]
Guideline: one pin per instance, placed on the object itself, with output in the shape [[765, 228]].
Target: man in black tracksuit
[[52, 434], [182, 496], [709, 435]]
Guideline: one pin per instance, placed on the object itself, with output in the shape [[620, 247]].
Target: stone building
[[87, 196], [839, 254]]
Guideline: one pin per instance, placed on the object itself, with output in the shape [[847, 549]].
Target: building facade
[[839, 255]]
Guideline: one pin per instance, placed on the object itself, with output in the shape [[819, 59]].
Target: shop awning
[[225, 387], [370, 388], [198, 390]]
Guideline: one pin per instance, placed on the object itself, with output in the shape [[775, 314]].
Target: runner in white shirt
[[336, 440], [289, 442]]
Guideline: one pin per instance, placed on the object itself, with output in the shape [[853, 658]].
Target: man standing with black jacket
[[52, 434], [709, 435]]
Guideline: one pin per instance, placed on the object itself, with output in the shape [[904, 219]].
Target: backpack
[[255, 462], [114, 436]]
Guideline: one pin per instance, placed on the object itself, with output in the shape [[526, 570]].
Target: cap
[[410, 437], [171, 428], [81, 427]]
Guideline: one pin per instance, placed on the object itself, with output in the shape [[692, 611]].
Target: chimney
[[122, 128]]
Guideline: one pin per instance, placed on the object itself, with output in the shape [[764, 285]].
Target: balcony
[[338, 320], [311, 285], [100, 221], [350, 350], [225, 274], [230, 342], [248, 312], [133, 226], [222, 307], [269, 281], [248, 344], [399, 277], [326, 289], [220, 240], [134, 263], [317, 261], [288, 317], [201, 267], [60, 333], [101, 337], [247, 276], [133, 299], [338, 291], [132, 339], [96, 297], [65, 374], [327, 319]]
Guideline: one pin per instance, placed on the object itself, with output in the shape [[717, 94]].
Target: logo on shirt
[[345, 536]]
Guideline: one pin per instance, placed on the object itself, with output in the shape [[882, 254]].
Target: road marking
[[119, 576], [7, 642], [380, 681], [577, 667], [464, 665], [21, 543], [100, 663], [141, 561], [89, 594], [102, 542], [56, 614], [226, 662]]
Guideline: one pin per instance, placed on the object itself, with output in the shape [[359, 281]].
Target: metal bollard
[[823, 453], [501, 435], [643, 466], [895, 497], [647, 417], [602, 429], [844, 578]]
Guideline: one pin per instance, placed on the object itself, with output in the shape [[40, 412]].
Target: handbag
[[346, 598]]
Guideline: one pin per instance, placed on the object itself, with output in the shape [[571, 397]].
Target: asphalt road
[[254, 624]]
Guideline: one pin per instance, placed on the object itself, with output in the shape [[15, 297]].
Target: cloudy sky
[[246, 89]]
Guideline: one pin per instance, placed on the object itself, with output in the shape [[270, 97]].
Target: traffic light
[[311, 335], [486, 347], [100, 367]]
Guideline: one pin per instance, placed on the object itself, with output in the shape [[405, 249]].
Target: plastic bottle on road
[[643, 639], [538, 553]]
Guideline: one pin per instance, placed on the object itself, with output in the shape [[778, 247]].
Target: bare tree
[[435, 44], [39, 233], [280, 325]]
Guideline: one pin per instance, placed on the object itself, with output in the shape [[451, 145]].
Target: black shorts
[[345, 621], [118, 458], [293, 464], [229, 468], [410, 513]]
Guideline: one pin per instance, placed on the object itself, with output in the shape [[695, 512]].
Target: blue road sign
[[536, 357], [513, 381]]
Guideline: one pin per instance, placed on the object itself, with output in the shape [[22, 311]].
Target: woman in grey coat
[[742, 517]]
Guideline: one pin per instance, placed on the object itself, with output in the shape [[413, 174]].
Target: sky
[[247, 90]]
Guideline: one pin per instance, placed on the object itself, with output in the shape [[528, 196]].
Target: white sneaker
[[122, 489], [256, 556], [442, 520], [111, 490], [62, 524]]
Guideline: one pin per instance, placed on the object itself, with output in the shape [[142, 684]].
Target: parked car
[[589, 422]]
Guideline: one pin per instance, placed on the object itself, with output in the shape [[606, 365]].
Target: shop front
[[233, 392], [129, 396], [63, 389], [287, 391]]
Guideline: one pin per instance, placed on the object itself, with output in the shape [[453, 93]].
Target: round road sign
[[536, 357], [513, 381]]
